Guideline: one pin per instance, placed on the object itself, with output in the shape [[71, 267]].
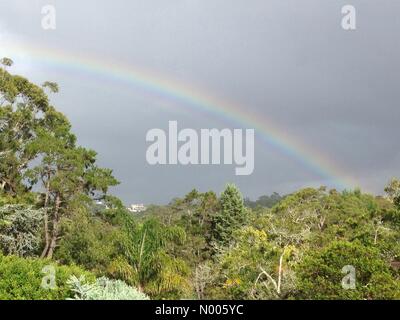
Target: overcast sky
[[287, 60]]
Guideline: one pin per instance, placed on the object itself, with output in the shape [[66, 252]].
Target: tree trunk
[[46, 234], [46, 221], [141, 252], [55, 224], [278, 288], [196, 283], [12, 188]]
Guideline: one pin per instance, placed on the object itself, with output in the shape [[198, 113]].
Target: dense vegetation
[[58, 242]]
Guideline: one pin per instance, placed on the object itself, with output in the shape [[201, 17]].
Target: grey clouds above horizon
[[334, 90]]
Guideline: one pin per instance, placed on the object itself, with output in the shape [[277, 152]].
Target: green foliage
[[393, 191], [147, 248], [192, 213], [264, 201], [320, 274], [7, 62], [89, 242], [23, 109], [201, 246], [37, 149], [104, 289], [256, 268], [230, 217], [196, 210], [22, 279], [52, 86], [315, 218]]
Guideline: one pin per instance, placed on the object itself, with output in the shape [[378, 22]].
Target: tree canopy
[[59, 223]]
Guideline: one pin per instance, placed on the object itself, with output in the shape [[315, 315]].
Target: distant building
[[137, 208]]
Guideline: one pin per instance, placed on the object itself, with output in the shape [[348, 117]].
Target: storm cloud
[[286, 60]]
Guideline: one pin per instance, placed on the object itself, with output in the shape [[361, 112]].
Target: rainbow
[[184, 95]]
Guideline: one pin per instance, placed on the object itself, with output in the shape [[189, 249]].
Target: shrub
[[20, 228], [104, 289], [320, 274], [22, 279]]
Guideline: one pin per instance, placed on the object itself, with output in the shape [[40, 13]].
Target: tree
[[156, 271], [230, 217], [22, 106], [20, 228], [52, 86], [37, 149], [198, 209], [255, 268], [67, 173], [6, 62], [393, 191], [322, 273], [264, 201], [203, 277], [91, 242]]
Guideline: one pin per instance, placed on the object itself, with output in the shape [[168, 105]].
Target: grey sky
[[289, 60]]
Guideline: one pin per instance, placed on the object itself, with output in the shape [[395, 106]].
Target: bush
[[104, 289], [320, 274], [20, 228], [22, 279]]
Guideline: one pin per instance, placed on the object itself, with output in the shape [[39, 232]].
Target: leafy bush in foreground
[[104, 289], [23, 279]]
